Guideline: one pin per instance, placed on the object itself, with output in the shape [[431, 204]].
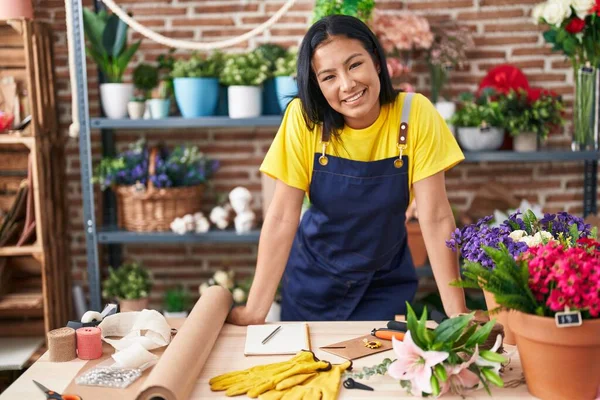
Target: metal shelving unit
[[114, 237]]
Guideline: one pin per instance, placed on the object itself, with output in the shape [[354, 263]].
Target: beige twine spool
[[62, 344]]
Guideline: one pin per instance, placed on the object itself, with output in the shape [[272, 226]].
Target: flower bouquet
[[573, 29], [155, 187], [400, 35], [447, 359]]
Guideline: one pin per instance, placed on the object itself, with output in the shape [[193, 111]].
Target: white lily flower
[[517, 235]]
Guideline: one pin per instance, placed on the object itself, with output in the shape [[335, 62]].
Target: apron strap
[[403, 133]]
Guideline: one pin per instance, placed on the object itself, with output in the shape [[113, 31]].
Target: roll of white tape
[[90, 316]]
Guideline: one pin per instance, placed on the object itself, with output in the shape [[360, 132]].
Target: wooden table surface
[[228, 355]]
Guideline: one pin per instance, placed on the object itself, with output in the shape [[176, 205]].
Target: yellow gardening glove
[[324, 385], [257, 380]]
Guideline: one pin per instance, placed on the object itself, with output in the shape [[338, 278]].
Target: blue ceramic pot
[[269, 98], [286, 88], [196, 97]]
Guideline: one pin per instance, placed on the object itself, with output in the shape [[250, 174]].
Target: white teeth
[[354, 98]]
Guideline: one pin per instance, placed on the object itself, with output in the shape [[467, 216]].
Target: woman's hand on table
[[243, 316]]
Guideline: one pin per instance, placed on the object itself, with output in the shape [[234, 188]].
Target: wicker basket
[[154, 209]]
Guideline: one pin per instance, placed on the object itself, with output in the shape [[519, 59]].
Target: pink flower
[[460, 378], [414, 364]]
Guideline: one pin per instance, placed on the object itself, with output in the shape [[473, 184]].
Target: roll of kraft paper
[[61, 344], [177, 371]]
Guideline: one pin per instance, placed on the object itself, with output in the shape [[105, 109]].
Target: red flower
[[533, 94], [503, 78], [596, 8], [576, 25]]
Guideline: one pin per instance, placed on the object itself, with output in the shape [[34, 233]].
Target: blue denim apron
[[350, 258]]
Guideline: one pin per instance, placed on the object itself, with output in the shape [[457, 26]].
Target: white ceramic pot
[[114, 99], [244, 101], [446, 109], [179, 314], [476, 139], [136, 109], [525, 142]]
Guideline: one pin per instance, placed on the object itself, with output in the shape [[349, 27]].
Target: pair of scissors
[[51, 394]]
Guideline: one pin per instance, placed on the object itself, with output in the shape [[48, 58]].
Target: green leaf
[[465, 336], [99, 58], [561, 35], [492, 377], [413, 325], [451, 329], [440, 372], [574, 232], [480, 336], [93, 25], [550, 36], [424, 335], [492, 356], [124, 59], [114, 36]]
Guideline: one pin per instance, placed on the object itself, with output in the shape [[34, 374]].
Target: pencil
[[307, 337]]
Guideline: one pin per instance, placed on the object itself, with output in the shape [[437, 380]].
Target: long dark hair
[[315, 107]]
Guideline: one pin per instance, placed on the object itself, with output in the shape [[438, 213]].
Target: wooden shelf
[[26, 304], [12, 139], [20, 251]]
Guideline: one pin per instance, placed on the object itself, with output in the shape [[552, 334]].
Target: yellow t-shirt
[[431, 147]]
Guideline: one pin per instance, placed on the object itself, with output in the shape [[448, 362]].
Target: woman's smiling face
[[349, 80]]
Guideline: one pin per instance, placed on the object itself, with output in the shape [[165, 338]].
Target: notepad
[[290, 339]]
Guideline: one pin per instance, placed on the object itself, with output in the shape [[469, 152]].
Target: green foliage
[[361, 9], [287, 65], [249, 69], [485, 111], [177, 299], [198, 66], [145, 78], [539, 116], [271, 52], [508, 282], [128, 282], [107, 36]]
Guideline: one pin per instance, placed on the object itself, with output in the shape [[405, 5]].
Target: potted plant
[[529, 115], [160, 103], [243, 74], [145, 78], [197, 85], [361, 9], [270, 52], [155, 186], [552, 290], [518, 233], [286, 86], [107, 36], [447, 53], [130, 285], [479, 122], [177, 302]]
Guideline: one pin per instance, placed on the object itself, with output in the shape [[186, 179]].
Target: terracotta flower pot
[[133, 305], [559, 363], [501, 318]]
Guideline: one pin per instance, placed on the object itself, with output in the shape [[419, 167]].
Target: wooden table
[[228, 355]]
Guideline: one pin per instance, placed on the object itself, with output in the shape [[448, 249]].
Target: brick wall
[[503, 33]]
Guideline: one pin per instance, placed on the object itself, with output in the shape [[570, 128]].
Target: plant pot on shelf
[[136, 109], [500, 317], [527, 141], [196, 97], [244, 101], [270, 99], [558, 363], [133, 305], [114, 99], [159, 108], [416, 243], [286, 88], [480, 139]]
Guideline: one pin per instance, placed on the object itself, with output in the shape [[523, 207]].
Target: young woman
[[361, 151]]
